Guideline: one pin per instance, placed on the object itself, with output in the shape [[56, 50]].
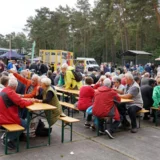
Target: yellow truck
[[56, 57]]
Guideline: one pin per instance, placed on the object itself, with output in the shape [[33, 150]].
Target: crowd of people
[[100, 94]]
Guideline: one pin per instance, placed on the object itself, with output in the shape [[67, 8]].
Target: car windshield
[[92, 62]]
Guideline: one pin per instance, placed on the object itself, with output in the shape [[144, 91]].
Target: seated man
[[132, 91], [10, 101], [103, 106]]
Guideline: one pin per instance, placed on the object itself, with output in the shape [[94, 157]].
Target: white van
[[90, 64]]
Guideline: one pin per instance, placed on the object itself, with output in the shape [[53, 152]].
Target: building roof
[[135, 52]]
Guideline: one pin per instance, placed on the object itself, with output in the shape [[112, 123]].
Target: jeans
[[89, 114], [12, 135]]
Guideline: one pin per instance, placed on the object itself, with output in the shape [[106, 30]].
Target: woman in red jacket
[[86, 98], [86, 95]]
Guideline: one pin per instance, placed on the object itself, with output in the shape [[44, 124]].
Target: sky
[[14, 13]]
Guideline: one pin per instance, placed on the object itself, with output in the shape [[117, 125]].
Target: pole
[[10, 47], [33, 49]]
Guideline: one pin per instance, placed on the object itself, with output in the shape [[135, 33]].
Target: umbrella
[[157, 59], [11, 55]]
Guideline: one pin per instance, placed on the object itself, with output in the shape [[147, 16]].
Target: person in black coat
[[147, 91]]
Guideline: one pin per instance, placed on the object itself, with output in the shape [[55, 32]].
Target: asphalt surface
[[144, 145]]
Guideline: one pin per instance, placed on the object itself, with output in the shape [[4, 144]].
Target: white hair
[[107, 74], [46, 81], [35, 76], [102, 77], [64, 65], [13, 83], [129, 76], [107, 82]]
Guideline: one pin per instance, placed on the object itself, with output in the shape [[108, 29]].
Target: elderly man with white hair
[[9, 114], [69, 78], [49, 96], [133, 92], [104, 106]]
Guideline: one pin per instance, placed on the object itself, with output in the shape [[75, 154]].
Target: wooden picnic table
[[126, 100], [32, 111], [71, 91]]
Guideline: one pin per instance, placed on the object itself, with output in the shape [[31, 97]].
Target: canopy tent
[[157, 59], [11, 55], [135, 53]]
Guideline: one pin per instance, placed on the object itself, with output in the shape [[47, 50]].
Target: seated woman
[[86, 98], [49, 96], [117, 86]]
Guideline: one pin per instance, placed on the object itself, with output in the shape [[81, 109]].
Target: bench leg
[[139, 118], [62, 135], [49, 135], [17, 145], [71, 132], [156, 119], [6, 143], [28, 122], [97, 126]]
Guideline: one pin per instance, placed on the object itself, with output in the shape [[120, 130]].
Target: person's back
[[69, 79], [156, 94], [103, 105], [147, 92], [86, 95]]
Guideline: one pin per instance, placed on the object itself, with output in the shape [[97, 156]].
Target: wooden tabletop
[[67, 90], [126, 100], [40, 106]]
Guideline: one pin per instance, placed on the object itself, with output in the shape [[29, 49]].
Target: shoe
[[102, 132], [87, 125], [134, 130], [93, 128], [109, 134], [126, 123], [10, 145]]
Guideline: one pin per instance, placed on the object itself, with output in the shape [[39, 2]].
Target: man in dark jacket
[[146, 91]]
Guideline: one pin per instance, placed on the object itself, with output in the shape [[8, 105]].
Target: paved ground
[[144, 145]]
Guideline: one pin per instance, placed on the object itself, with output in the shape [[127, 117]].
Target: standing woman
[[49, 96]]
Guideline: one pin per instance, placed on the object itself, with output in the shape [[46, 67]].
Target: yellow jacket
[[70, 82]]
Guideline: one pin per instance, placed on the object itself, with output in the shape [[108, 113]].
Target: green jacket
[[156, 96], [61, 81], [54, 102], [70, 82]]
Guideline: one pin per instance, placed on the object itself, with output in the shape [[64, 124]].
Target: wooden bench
[[156, 114], [111, 118], [72, 107], [61, 95], [139, 115], [12, 128], [68, 106], [67, 121]]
